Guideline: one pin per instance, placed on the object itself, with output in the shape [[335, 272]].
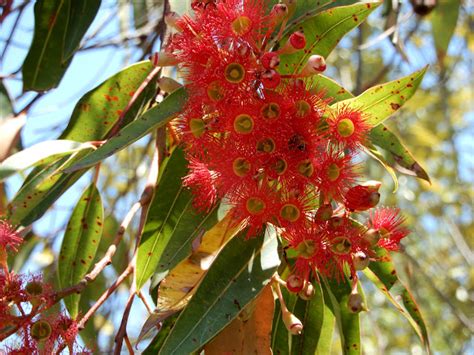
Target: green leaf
[[43, 67], [327, 331], [93, 117], [172, 223], [399, 156], [384, 276], [311, 314], [323, 32], [159, 339], [375, 154], [6, 108], [236, 277], [82, 13], [443, 24], [154, 118], [331, 89], [98, 110], [80, 243], [381, 101], [39, 191], [38, 154], [336, 295]]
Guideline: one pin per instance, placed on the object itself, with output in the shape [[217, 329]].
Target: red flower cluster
[[268, 143], [24, 299]]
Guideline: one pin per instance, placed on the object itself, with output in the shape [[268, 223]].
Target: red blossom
[[9, 239], [389, 223]]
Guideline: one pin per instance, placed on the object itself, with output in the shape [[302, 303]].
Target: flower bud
[[296, 42], [361, 260], [362, 197], [270, 60], [355, 303], [307, 292], [295, 283], [163, 59], [315, 65], [292, 323], [291, 5], [279, 12]]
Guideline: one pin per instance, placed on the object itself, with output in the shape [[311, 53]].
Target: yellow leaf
[[251, 332], [177, 288]]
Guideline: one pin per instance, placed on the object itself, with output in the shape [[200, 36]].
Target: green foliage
[[236, 277], [172, 223], [80, 243], [59, 28], [323, 32]]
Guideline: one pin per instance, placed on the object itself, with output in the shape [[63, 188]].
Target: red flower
[[202, 182], [9, 239], [336, 173], [389, 223], [348, 127]]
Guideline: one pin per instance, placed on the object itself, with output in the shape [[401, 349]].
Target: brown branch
[[81, 324]]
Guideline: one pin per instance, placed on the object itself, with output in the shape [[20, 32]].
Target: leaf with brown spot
[[383, 274], [78, 249], [248, 333], [236, 277], [381, 101], [179, 285]]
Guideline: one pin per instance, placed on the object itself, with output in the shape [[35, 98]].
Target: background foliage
[[437, 124]]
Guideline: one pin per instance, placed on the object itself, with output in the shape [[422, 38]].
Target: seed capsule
[[355, 303], [255, 206], [292, 323], [361, 260]]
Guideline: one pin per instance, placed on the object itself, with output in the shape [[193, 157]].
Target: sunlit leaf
[[323, 32], [80, 243], [384, 276], [381, 101], [9, 134], [154, 118], [399, 155], [39, 154], [250, 332], [98, 110], [237, 276], [92, 119], [180, 284]]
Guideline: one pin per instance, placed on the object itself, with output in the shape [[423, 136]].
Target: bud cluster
[[269, 143]]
